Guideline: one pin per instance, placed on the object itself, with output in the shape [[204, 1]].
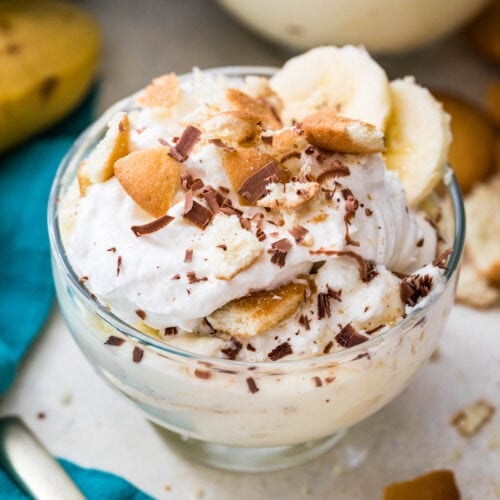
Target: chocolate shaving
[[279, 251], [254, 187], [233, 351], [304, 321], [82, 279], [338, 170], [186, 180], [192, 278], [298, 233], [141, 314], [163, 142], [368, 212], [328, 348], [212, 198], [188, 255], [267, 139], [137, 354], [376, 329], [114, 341], [176, 277], [170, 330], [420, 243], [366, 268], [198, 215], [222, 247], [280, 351], [252, 386], [349, 337], [413, 288], [152, 227], [442, 259], [309, 150], [203, 374], [324, 305], [220, 144], [260, 234], [317, 266], [112, 249], [118, 265], [186, 141], [317, 381]]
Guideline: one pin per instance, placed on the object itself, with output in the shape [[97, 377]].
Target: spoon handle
[[30, 464]]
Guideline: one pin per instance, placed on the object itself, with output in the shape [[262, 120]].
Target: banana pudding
[[277, 239]]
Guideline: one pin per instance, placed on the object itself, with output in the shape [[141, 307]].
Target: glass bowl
[[249, 416]]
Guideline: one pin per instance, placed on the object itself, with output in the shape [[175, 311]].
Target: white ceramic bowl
[[379, 25]]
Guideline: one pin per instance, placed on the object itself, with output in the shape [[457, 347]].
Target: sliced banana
[[417, 138], [344, 80]]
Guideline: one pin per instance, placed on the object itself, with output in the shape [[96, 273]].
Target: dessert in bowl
[[259, 261]]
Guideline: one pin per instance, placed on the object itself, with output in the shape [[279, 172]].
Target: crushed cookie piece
[[338, 169], [472, 418]]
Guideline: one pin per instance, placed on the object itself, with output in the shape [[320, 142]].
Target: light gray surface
[[91, 425]]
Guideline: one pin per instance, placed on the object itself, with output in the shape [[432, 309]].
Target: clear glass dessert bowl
[[250, 416]]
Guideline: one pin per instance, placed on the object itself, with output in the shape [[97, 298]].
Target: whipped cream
[[173, 279]]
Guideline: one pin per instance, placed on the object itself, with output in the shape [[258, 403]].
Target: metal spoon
[[31, 465]]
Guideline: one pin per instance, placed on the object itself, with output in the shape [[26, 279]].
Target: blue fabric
[[94, 484], [26, 287]]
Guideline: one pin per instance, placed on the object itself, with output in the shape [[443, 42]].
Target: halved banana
[[417, 138], [344, 80]]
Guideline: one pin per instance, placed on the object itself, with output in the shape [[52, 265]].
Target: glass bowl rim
[[57, 249]]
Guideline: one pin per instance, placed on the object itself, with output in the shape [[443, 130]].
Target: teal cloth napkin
[[26, 287], [94, 484]]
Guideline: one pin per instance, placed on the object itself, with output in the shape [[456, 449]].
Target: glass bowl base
[[245, 459]]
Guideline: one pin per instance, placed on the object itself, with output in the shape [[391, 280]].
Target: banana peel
[[49, 54]]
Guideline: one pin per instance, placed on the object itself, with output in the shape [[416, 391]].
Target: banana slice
[[417, 138], [344, 80]]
